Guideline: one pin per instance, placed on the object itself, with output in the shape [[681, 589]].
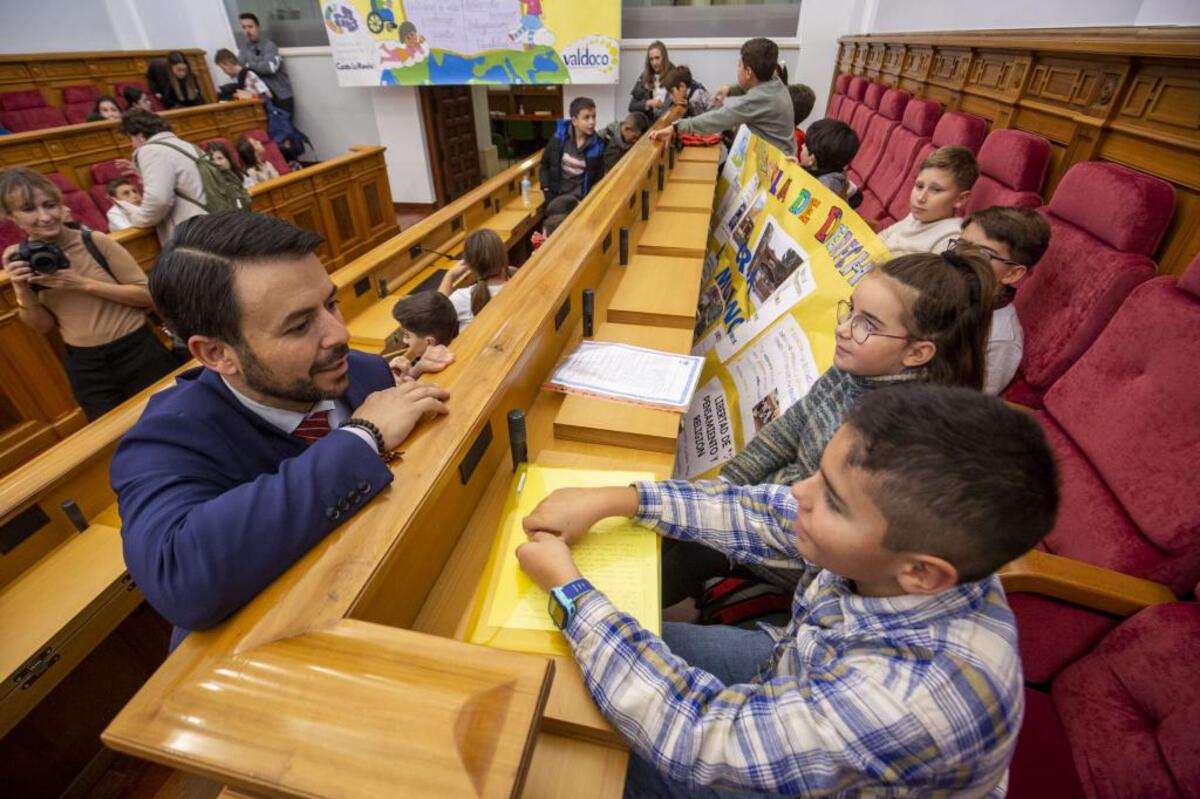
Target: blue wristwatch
[[562, 601]]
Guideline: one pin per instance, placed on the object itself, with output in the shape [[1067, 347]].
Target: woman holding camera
[[60, 284]]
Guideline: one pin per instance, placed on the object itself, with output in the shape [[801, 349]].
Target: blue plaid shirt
[[898, 696]]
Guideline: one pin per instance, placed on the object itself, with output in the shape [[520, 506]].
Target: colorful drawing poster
[[782, 250], [429, 42]]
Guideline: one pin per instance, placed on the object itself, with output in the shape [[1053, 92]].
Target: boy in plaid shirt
[[898, 674]]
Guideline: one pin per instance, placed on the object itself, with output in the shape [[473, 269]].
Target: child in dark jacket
[[573, 161], [620, 136]]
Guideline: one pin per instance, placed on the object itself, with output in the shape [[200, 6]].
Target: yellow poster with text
[[782, 250]]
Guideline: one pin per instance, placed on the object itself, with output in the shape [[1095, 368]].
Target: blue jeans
[[730, 654]]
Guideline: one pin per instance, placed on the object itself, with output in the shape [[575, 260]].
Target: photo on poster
[[776, 257], [710, 309], [745, 226], [766, 410], [772, 374], [795, 288]]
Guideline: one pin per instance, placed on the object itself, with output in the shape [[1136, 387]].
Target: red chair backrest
[[22, 100], [10, 234], [77, 113], [1105, 221], [1012, 169], [840, 84], [84, 93], [102, 173], [271, 151], [1131, 405], [916, 127], [854, 96], [866, 111], [953, 128], [83, 210], [28, 119], [228, 146], [879, 130], [119, 94]]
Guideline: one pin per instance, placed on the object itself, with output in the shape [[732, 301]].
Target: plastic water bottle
[[525, 187]]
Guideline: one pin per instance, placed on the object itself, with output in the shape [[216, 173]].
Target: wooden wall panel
[[49, 73], [1126, 95]]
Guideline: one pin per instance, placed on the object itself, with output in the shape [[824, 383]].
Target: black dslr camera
[[42, 256]]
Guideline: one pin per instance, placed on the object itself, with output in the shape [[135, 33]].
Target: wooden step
[[694, 172], [658, 291], [686, 197], [675, 233]]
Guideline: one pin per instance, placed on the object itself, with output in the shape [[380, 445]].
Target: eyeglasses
[[860, 326], [952, 246]]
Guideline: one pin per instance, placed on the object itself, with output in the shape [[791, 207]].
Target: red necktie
[[314, 426]]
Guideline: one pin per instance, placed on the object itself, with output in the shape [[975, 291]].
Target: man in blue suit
[[281, 435]]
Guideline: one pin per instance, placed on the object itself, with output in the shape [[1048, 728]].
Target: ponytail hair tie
[[974, 288], [956, 260]]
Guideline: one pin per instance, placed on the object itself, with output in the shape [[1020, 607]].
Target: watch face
[[558, 614]]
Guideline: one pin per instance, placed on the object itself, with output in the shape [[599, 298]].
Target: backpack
[[222, 189], [290, 139]]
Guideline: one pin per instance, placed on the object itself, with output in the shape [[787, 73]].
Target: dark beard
[[264, 381]]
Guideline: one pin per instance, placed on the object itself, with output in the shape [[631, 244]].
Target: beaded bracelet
[[371, 428]]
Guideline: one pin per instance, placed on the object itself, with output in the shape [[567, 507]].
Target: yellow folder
[[619, 557]]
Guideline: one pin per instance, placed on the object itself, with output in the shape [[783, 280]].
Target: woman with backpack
[[178, 180]]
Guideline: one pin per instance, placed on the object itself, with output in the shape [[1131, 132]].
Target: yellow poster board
[[619, 557], [782, 250]]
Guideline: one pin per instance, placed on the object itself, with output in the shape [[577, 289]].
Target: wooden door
[[450, 138]]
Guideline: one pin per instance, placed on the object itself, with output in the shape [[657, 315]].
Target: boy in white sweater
[[938, 195]]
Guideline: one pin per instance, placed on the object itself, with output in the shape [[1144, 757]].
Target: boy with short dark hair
[[246, 85], [620, 136], [803, 100], [573, 161], [899, 670], [124, 195], [829, 145], [939, 193], [1013, 240], [685, 92], [766, 107], [427, 319]]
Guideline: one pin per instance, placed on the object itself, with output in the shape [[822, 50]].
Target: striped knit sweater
[[789, 448]]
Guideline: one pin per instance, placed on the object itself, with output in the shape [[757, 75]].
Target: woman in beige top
[[100, 313]]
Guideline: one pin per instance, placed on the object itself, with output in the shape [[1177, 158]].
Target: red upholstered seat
[[840, 85], [920, 117], [1105, 222], [1124, 424], [271, 151], [1124, 716], [866, 111], [9, 234], [78, 102], [83, 210], [102, 173], [879, 131], [119, 94], [1012, 169], [77, 113], [38, 118], [953, 128], [854, 97], [22, 100]]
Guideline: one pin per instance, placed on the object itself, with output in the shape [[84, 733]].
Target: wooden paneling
[[72, 150], [49, 73], [345, 199], [1126, 95]]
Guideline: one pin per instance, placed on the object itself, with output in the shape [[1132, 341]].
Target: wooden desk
[[50, 72], [674, 233], [704, 172], [659, 290], [703, 155], [685, 197]]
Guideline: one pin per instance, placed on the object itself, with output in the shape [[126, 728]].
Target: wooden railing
[[1125, 95], [346, 199], [72, 150], [49, 73]]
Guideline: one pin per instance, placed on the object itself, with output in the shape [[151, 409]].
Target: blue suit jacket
[[216, 503]]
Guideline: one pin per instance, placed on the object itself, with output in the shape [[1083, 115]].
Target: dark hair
[[187, 89], [220, 147], [958, 161], [406, 27], [760, 56], [137, 121], [581, 104], [485, 253], [552, 223], [676, 76], [782, 71], [428, 313], [94, 114], [832, 142], [247, 153], [562, 205], [1024, 230], [192, 281], [132, 94], [116, 183], [648, 71], [638, 121], [22, 182], [247, 15], [225, 56], [956, 474], [803, 99], [953, 309]]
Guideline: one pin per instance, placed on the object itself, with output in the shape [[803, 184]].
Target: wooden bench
[[71, 150], [50, 73]]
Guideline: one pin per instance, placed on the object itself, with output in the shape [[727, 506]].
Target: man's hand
[[718, 97], [435, 358], [570, 512], [396, 411], [547, 560], [663, 134]]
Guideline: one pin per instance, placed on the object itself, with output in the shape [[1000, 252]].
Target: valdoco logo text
[[591, 59]]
